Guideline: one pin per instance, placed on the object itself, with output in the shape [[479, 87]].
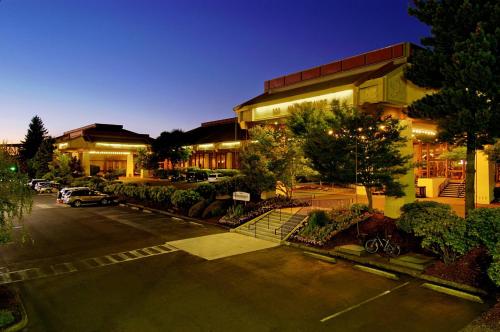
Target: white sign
[[241, 196]]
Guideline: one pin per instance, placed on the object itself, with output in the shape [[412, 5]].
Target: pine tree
[[32, 141], [460, 63], [40, 162]]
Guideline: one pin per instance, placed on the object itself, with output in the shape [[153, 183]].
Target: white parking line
[[364, 302], [7, 277]]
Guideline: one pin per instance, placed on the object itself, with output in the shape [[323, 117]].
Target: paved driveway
[[274, 289]]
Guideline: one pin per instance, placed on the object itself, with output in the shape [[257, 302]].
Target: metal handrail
[[462, 185], [284, 224], [443, 185]]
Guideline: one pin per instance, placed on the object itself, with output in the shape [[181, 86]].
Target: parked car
[[46, 187], [33, 182], [178, 178], [196, 177], [81, 197], [215, 177], [65, 191]]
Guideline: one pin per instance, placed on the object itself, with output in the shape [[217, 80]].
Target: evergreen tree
[[40, 162], [348, 146], [171, 146], [32, 141], [460, 63]]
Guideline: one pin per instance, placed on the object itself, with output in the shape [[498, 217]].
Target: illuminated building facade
[[106, 146], [372, 80]]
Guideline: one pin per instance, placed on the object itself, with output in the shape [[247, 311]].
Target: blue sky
[[160, 65]]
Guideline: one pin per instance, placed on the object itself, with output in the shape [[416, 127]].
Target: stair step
[[352, 249], [413, 261]]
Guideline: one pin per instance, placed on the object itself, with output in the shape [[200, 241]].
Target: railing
[[443, 185], [254, 223], [462, 188], [292, 222]]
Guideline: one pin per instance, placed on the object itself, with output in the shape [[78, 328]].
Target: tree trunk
[[470, 174], [369, 196]]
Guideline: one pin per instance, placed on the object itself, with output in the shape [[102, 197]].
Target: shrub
[[6, 317], [114, 175], [484, 227], [235, 211], [228, 172], [206, 190], [216, 208], [494, 269], [161, 194], [441, 230], [197, 209], [184, 199], [318, 218]]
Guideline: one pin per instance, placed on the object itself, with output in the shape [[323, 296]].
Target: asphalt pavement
[[168, 289]]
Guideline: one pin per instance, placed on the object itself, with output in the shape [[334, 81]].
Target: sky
[[159, 65]]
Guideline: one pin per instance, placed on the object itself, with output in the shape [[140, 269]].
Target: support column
[[130, 165], [485, 178], [86, 163], [392, 207]]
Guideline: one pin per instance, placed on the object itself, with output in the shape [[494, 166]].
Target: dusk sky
[[158, 65]]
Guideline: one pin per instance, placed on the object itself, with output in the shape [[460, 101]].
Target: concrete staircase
[[454, 189], [273, 226]]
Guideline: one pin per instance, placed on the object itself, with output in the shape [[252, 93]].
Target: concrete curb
[[327, 259], [172, 215], [24, 317], [453, 292], [376, 272], [390, 267]]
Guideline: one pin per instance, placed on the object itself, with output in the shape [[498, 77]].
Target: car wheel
[[104, 202], [77, 203]]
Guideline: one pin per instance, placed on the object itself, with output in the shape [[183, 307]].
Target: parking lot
[[162, 288]]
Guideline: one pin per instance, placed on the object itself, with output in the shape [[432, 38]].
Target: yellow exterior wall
[[485, 178]]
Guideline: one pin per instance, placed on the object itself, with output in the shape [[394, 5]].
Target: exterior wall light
[[234, 144], [110, 152], [62, 146], [424, 132], [122, 146]]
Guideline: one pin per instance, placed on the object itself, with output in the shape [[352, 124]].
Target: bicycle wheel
[[371, 246], [392, 250]]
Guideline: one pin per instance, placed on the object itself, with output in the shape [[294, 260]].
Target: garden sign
[[241, 196]]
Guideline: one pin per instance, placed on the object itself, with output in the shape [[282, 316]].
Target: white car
[[46, 187], [215, 177], [65, 191]]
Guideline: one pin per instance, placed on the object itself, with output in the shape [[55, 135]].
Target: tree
[[40, 162], [275, 150], [34, 138], [15, 196], [145, 160], [60, 169], [349, 146], [257, 177], [171, 146], [459, 62]]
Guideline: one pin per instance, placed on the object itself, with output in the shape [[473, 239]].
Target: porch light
[[110, 152], [206, 146], [231, 144], [62, 146], [122, 146], [428, 132]]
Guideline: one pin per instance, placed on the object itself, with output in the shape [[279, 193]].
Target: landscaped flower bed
[[240, 215], [323, 226]]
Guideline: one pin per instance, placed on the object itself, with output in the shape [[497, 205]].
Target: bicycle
[[373, 245]]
